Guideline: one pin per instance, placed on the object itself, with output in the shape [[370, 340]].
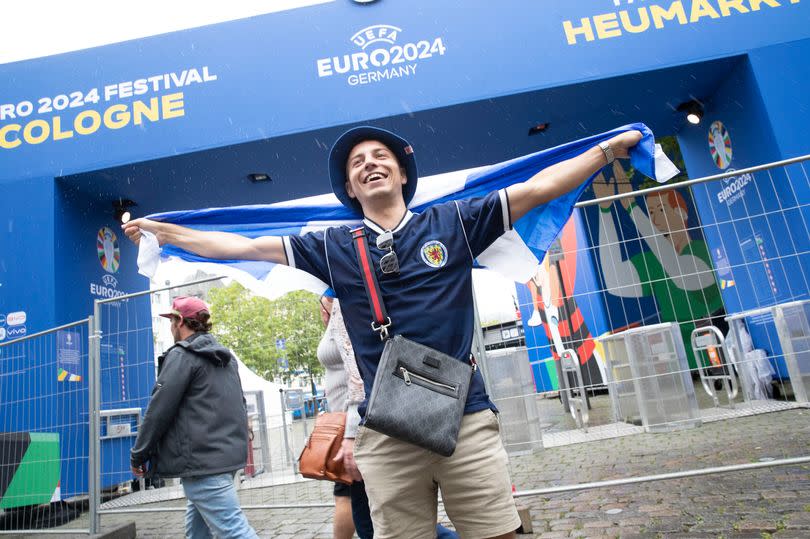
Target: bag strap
[[380, 321]]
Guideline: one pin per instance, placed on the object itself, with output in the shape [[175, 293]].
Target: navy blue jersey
[[430, 300]]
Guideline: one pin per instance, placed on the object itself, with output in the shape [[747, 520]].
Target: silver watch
[[608, 151]]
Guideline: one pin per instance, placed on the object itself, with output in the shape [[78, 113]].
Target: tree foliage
[[250, 325]]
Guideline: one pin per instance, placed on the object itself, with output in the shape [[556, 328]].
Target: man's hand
[[138, 471], [346, 454], [621, 143], [133, 228]]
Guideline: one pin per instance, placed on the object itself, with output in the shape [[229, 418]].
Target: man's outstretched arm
[[217, 245], [565, 176]]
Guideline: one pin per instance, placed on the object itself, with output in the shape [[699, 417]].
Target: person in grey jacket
[[195, 426]]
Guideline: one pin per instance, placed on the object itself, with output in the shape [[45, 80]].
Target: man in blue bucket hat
[[423, 264]]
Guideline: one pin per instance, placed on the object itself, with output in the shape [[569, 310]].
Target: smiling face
[[373, 173]]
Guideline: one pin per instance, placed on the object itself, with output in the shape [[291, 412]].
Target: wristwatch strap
[[608, 151]]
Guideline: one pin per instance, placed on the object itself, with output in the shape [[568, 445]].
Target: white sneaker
[[534, 320]]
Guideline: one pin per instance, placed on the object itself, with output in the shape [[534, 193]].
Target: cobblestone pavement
[[771, 502]]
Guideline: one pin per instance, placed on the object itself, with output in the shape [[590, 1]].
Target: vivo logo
[[16, 331], [16, 319]]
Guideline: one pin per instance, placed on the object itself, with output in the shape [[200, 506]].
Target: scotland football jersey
[[430, 300]]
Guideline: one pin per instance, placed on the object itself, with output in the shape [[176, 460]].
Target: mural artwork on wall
[[554, 307], [672, 264]]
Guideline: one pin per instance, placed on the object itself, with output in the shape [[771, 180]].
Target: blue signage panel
[[222, 84]]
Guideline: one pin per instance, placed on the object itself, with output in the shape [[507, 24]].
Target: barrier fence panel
[[45, 431], [132, 335], [683, 304]]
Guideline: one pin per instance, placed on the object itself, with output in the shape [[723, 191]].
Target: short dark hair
[[200, 324]]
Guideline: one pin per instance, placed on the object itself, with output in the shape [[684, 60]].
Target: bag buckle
[[473, 363], [382, 328]]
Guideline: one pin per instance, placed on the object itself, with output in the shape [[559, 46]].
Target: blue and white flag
[[515, 255]]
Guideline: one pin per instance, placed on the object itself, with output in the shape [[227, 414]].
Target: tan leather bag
[[317, 460]]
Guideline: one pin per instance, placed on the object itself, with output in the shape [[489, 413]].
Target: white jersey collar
[[379, 230]]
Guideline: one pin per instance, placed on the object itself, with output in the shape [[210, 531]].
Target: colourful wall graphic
[[29, 468], [653, 247], [555, 319]]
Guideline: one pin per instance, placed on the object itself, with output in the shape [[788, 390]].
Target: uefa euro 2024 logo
[[380, 57], [107, 247]]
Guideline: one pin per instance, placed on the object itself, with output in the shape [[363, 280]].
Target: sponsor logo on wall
[[17, 318], [380, 57], [12, 325], [16, 331]]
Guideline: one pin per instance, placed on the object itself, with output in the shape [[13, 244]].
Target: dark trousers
[[361, 512]]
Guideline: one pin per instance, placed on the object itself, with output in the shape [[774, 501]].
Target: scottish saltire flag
[[515, 255]]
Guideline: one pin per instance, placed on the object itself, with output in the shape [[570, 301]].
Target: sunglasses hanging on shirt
[[389, 263]]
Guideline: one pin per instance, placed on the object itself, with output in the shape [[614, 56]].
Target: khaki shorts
[[402, 481]]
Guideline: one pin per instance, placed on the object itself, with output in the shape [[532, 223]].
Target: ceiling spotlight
[[259, 177], [693, 110], [121, 209], [539, 128]]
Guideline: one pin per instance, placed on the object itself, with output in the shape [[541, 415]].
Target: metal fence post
[[93, 388], [284, 426], [265, 439]]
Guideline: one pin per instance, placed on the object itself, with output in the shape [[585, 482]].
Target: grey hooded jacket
[[196, 421]]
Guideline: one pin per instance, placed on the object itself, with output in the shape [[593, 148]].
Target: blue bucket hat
[[351, 138]]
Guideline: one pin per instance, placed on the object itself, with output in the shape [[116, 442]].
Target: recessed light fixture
[[693, 110], [121, 209], [259, 177], [539, 128]]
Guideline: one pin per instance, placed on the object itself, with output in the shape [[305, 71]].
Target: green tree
[[250, 325]]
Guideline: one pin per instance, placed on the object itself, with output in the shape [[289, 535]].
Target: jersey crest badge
[[434, 254]]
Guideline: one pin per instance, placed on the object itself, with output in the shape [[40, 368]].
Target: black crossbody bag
[[419, 393]]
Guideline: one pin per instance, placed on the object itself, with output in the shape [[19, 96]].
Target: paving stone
[[553, 535], [789, 534], [797, 520], [777, 494], [599, 524], [756, 525], [691, 535], [634, 521], [665, 525]]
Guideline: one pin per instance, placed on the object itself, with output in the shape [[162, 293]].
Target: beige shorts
[[402, 481]]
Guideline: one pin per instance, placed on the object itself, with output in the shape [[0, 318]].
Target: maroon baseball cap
[[187, 307]]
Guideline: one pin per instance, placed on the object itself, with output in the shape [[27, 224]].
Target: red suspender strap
[[380, 319]]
